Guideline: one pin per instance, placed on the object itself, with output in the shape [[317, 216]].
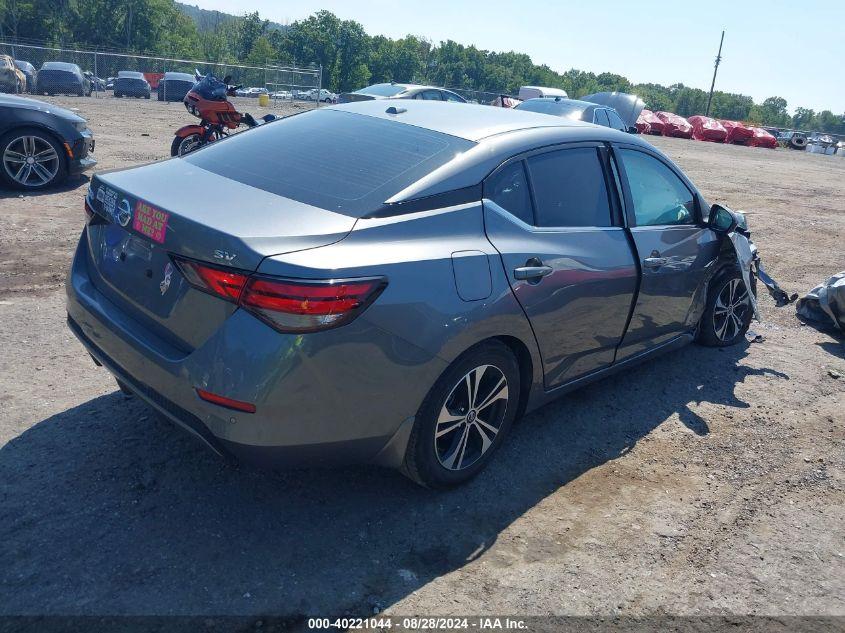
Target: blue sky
[[795, 50]]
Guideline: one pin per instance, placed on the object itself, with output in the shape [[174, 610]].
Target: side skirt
[[540, 398]]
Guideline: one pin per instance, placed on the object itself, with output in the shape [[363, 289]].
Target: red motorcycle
[[208, 101]]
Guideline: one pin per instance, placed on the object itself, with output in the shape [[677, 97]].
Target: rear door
[[558, 229], [674, 248]]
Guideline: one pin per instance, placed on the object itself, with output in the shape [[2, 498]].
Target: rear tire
[[727, 315], [464, 418]]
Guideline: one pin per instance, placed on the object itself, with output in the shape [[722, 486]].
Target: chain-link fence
[[478, 96], [58, 71]]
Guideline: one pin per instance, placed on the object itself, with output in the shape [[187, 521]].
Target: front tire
[[464, 418], [31, 160], [728, 313]]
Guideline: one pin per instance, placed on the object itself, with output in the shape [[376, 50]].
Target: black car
[[577, 110], [61, 78], [131, 84], [29, 72], [174, 86], [41, 144]]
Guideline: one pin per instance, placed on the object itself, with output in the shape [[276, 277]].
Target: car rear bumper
[[340, 396]]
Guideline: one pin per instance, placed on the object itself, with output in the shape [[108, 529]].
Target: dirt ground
[[705, 482]]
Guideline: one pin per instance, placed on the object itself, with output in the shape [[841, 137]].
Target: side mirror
[[722, 219]]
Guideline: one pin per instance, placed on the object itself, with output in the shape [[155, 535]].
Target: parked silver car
[[576, 110], [400, 91], [395, 282]]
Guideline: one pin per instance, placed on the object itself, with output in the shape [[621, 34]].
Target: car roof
[[406, 87], [500, 133], [568, 102], [464, 120], [130, 74], [60, 66], [179, 76]]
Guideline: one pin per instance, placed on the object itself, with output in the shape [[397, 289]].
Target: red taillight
[[222, 282], [305, 306], [223, 401], [288, 305]]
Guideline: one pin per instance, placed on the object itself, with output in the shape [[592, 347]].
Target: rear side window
[[659, 196], [569, 188], [600, 117], [616, 121], [340, 161], [509, 189]]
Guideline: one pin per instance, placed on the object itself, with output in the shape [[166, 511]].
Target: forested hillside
[[350, 57]]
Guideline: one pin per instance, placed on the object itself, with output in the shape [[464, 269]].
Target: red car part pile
[[706, 129], [649, 122], [737, 132], [674, 125], [762, 138]]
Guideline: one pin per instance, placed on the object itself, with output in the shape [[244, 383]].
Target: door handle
[[532, 272], [654, 262]]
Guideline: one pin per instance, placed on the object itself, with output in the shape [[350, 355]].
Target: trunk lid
[[147, 214]]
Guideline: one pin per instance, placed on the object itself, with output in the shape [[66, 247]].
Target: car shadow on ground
[[107, 510], [71, 183], [835, 347]]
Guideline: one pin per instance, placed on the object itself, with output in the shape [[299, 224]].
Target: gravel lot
[[705, 482]]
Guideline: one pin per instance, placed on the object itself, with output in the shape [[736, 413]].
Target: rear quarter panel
[[421, 303]]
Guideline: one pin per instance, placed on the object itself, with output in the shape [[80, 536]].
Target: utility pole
[[715, 70]]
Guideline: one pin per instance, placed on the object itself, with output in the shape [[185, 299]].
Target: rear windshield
[[550, 106], [340, 161], [68, 68], [382, 90]]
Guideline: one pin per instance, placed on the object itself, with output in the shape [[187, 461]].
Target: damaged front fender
[[750, 264]]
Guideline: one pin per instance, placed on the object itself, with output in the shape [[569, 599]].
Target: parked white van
[[535, 92]]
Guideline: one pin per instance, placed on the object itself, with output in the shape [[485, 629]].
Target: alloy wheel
[[471, 417], [731, 310], [31, 161]]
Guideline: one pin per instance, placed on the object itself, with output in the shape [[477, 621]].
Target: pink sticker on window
[[150, 221]]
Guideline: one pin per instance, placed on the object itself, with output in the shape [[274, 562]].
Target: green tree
[[803, 118]]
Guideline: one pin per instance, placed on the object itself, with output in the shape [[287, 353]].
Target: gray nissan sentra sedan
[[395, 283]]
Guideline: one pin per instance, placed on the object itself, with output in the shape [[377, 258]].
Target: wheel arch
[[524, 359], [45, 129], [526, 369]]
